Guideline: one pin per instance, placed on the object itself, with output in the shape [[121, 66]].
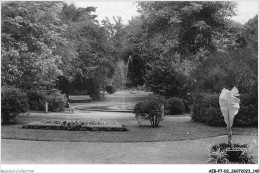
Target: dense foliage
[[164, 77], [31, 32], [56, 100], [37, 99], [54, 44], [13, 102], [206, 110], [175, 106], [173, 48]]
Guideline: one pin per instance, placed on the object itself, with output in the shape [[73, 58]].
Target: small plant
[[218, 157], [239, 153], [175, 105], [247, 156], [13, 102]]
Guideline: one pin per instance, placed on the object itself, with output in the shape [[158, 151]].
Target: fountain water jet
[[123, 68]]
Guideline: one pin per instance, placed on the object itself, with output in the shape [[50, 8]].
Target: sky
[[128, 9]]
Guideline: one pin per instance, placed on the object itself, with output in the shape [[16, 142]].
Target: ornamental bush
[[206, 109], [13, 102], [175, 106], [151, 108]]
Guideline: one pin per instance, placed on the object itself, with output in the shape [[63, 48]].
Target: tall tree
[[93, 63], [187, 26], [31, 32]]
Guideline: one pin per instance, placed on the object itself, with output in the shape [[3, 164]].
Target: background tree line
[[177, 48], [56, 45]]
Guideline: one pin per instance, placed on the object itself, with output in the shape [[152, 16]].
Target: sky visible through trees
[[127, 10]]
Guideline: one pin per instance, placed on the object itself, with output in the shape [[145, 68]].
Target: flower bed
[[75, 126], [225, 153]]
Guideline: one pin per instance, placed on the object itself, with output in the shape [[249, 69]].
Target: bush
[[206, 109], [37, 98], [56, 101], [111, 89], [150, 108], [175, 105], [248, 112], [13, 102]]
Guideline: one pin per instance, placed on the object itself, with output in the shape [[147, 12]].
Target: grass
[[171, 129]]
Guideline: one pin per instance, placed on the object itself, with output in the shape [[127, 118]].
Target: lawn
[[171, 129]]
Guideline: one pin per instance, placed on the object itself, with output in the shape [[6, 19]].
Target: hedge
[[206, 110]]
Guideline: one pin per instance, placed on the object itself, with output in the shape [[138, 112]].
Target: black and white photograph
[[129, 86]]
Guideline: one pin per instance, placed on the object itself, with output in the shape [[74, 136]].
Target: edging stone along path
[[75, 126]]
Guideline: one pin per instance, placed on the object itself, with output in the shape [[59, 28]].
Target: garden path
[[120, 101]]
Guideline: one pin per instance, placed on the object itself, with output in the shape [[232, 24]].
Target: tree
[[189, 29], [189, 26], [236, 67], [30, 34], [93, 63], [167, 78]]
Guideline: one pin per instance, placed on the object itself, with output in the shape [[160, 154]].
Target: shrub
[[111, 89], [150, 108], [175, 105], [248, 112], [13, 102], [37, 98], [56, 101], [206, 109]]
